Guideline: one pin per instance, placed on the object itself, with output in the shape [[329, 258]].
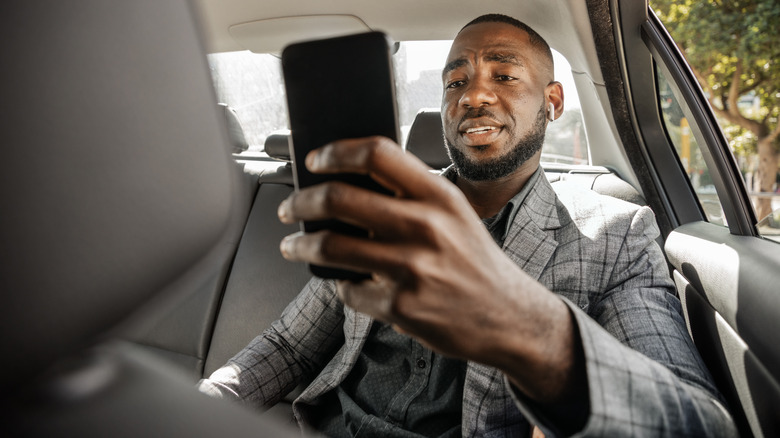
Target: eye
[[505, 78], [455, 84]]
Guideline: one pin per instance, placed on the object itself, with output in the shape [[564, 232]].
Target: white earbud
[[551, 112]]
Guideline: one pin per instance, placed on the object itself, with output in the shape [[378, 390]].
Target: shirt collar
[[499, 224]]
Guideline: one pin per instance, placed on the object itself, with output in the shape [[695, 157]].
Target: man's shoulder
[[579, 199], [593, 213]]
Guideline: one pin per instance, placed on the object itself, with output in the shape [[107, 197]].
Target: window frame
[[646, 49], [714, 146]]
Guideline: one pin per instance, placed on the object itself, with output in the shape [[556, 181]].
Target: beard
[[499, 167]]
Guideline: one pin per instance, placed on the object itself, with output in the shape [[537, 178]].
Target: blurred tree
[[733, 47]]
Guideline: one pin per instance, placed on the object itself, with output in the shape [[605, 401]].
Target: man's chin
[[480, 169], [482, 165]]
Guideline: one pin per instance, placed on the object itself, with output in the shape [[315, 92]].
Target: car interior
[[140, 243]]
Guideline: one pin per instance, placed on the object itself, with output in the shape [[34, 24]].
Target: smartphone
[[338, 88]]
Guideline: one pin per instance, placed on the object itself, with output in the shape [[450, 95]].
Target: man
[[570, 323]]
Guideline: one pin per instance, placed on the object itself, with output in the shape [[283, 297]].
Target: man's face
[[493, 108]]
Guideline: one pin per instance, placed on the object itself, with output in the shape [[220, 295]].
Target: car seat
[[119, 184]]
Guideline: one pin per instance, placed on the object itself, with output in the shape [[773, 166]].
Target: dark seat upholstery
[[426, 139], [261, 283], [122, 186]]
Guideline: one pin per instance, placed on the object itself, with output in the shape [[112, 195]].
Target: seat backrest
[[426, 139], [177, 324], [104, 211], [236, 133], [261, 282], [120, 183]]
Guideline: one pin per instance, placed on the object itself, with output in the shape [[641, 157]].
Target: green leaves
[[734, 47]]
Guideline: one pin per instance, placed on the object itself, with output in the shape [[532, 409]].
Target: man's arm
[[658, 386], [438, 276], [295, 346]]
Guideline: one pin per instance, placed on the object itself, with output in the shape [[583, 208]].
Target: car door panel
[[728, 287]]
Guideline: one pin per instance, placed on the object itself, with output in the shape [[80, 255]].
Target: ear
[[553, 95]]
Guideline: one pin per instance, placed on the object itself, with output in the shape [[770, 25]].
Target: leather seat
[[426, 139], [118, 186]]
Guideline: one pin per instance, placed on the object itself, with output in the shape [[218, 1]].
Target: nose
[[478, 93]]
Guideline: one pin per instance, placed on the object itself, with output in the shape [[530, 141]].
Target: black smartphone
[[338, 88]]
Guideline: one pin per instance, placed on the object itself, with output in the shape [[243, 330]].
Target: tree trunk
[[767, 172]]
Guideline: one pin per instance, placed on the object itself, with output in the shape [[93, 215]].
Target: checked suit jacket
[[599, 254]]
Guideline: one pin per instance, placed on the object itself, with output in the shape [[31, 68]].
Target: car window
[[688, 152], [732, 50], [251, 84]]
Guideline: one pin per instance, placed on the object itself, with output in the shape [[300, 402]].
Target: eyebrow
[[452, 65], [502, 58]]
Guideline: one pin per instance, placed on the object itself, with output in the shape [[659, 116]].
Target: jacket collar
[[529, 241]]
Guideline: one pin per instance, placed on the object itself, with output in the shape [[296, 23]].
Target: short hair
[[533, 36]]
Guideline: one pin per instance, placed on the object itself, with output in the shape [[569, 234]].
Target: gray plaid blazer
[[599, 254]]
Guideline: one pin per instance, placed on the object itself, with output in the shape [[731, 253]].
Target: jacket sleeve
[[296, 345], [644, 374]]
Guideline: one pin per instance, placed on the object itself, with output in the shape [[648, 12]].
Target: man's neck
[[489, 197]]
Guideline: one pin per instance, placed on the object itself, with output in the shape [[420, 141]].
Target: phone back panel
[[338, 88]]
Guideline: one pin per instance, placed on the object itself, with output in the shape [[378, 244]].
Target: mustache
[[475, 113]]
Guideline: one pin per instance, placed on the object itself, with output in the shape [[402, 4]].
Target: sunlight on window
[[251, 84]]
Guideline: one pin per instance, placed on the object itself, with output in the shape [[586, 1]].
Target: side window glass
[[731, 47], [688, 152]]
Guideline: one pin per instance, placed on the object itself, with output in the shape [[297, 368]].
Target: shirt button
[[421, 363]]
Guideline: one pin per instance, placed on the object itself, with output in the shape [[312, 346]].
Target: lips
[[479, 132], [470, 126], [481, 129]]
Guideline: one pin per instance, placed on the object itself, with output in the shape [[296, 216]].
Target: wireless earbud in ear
[[551, 112]]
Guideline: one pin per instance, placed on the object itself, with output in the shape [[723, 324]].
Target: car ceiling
[[262, 26], [567, 25]]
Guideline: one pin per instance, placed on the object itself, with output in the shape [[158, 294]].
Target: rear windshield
[[251, 84]]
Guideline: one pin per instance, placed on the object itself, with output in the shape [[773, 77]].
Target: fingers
[[380, 158], [378, 213], [335, 250]]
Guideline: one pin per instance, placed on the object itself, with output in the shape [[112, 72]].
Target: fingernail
[[284, 210], [312, 163], [285, 246]]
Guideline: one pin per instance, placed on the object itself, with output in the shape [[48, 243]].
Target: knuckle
[[327, 247], [453, 197], [372, 151], [418, 268], [333, 196], [428, 227], [377, 148]]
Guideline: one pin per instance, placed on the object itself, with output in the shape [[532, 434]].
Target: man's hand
[[437, 273]]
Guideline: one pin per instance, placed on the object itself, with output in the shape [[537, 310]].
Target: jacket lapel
[[530, 244], [529, 241]]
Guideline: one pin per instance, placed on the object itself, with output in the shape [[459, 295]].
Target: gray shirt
[[397, 388]]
